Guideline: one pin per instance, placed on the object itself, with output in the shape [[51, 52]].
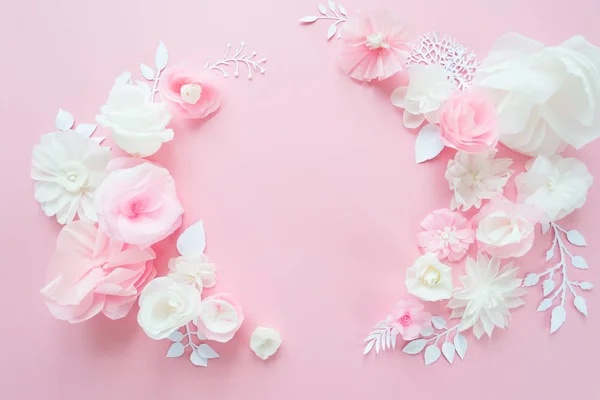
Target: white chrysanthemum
[[197, 271], [476, 177], [487, 295], [68, 167], [265, 342]]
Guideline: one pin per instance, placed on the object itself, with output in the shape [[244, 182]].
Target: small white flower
[[193, 271], [265, 342], [429, 279]]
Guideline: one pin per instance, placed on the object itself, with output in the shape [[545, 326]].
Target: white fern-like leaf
[[381, 338], [241, 57], [336, 14]]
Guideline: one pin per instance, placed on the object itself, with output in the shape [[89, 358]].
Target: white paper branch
[[238, 58], [382, 337], [339, 16], [200, 354], [65, 121], [161, 58], [432, 351]]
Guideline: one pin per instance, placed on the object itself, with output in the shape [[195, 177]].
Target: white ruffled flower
[[476, 177], [68, 167], [193, 271], [487, 295], [429, 279], [137, 124], [556, 185], [265, 342], [428, 88], [545, 96]]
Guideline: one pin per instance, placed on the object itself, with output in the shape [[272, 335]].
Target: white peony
[[193, 271], [429, 279], [138, 125], [556, 185], [265, 342], [546, 97], [68, 167]]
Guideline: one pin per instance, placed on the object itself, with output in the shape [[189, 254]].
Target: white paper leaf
[[64, 120], [414, 346], [308, 19], [531, 280], [198, 360], [176, 336], [586, 286], [448, 351], [123, 79], [394, 336], [322, 9], [369, 346], [388, 339], [427, 331], [548, 286], [460, 344], [161, 58], [99, 139], [428, 144], [580, 305], [192, 241], [432, 353], [176, 350], [559, 315], [205, 351], [377, 345], [579, 262], [147, 72], [544, 305], [331, 31], [545, 227], [144, 87], [342, 9], [331, 5], [576, 238], [550, 254], [86, 129], [438, 322]]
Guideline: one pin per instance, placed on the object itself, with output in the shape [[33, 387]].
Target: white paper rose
[[429, 279], [138, 125], [545, 97], [265, 342]]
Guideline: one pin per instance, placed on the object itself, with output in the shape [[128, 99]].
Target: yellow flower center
[[431, 276]]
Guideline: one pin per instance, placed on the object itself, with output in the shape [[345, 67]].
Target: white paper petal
[[192, 241], [86, 129], [428, 144], [64, 120]]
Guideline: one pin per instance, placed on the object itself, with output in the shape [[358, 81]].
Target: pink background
[[310, 197]]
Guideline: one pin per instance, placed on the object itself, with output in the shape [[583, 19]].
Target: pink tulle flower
[[89, 274], [190, 96], [376, 47], [220, 318], [446, 234], [409, 319]]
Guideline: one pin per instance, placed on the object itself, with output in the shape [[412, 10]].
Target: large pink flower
[[376, 47], [89, 274], [220, 318], [188, 95], [409, 319], [446, 234]]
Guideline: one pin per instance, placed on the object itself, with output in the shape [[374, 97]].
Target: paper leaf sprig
[[238, 58], [200, 354], [338, 14], [382, 337], [550, 290], [65, 121], [161, 58], [432, 351]]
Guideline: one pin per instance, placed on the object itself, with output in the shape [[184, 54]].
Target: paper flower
[[89, 275], [68, 167], [446, 234], [195, 271], [487, 295], [408, 318], [138, 125], [429, 279], [220, 318], [166, 305], [265, 342], [190, 96], [476, 177], [556, 185], [376, 47], [545, 96], [428, 88]]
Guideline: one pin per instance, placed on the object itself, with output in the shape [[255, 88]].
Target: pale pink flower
[[220, 318], [446, 234], [187, 95], [409, 319]]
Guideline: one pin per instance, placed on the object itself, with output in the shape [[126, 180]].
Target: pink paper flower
[[409, 319], [89, 274], [446, 234], [138, 205], [376, 47], [469, 123], [187, 95], [220, 318]]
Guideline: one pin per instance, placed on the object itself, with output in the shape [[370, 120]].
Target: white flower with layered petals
[[265, 342], [193, 271], [429, 279]]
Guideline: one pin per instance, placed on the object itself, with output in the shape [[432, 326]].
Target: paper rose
[[89, 275], [138, 205], [68, 167], [556, 185], [476, 177], [187, 95], [166, 305], [429, 279], [193, 271], [408, 318], [428, 88], [545, 96], [265, 342], [446, 234], [137, 124], [375, 47], [220, 318], [487, 295]]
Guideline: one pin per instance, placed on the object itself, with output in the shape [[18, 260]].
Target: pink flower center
[[406, 319]]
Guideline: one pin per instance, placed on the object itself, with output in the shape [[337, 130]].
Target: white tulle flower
[[265, 342], [194, 271], [487, 295], [556, 185], [68, 167], [476, 177], [545, 97]]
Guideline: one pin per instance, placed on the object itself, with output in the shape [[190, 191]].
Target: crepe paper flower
[[197, 271], [220, 318], [556, 185], [408, 318], [476, 177], [376, 47], [487, 295], [68, 167], [428, 88], [446, 234], [166, 305], [89, 275], [265, 342], [545, 97], [187, 95], [138, 205], [428, 279], [138, 125]]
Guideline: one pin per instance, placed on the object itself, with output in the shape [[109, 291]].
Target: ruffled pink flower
[[190, 96], [220, 318], [446, 234], [469, 122], [409, 319], [376, 47], [89, 274]]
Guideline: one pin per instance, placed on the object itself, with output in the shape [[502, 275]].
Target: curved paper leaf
[[544, 305], [559, 315], [176, 336], [147, 72], [429, 144], [448, 351], [342, 9], [308, 19], [438, 322], [548, 286], [331, 31], [86, 129], [369, 346], [460, 344], [579, 262], [64, 120], [545, 227], [414, 346], [161, 58], [580, 305], [586, 286], [432, 354], [205, 351], [576, 238], [331, 5], [192, 241], [176, 350], [198, 360], [531, 280], [322, 9]]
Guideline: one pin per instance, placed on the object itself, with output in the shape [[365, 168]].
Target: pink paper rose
[[409, 319], [220, 318], [138, 204], [446, 234], [190, 96], [89, 274], [469, 123]]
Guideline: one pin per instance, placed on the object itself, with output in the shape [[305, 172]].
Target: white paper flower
[[193, 271], [556, 185], [138, 125], [265, 342], [487, 295], [428, 88], [545, 96], [476, 177], [68, 167], [429, 279]]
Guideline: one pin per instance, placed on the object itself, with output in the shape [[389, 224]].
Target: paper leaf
[[460, 344], [531, 280], [586, 286], [147, 72], [176, 350], [86, 129], [576, 238], [198, 360], [342, 9], [559, 315], [544, 305], [64, 120], [144, 87], [205, 351], [548, 286], [192, 241], [176, 336], [394, 336], [428, 144], [308, 19], [322, 9], [545, 227], [369, 347], [414, 346], [427, 331], [438, 322], [331, 31], [579, 262], [448, 351], [200, 335], [580, 305], [432, 353], [123, 79], [377, 345], [99, 139], [550, 254], [161, 58], [331, 5]]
